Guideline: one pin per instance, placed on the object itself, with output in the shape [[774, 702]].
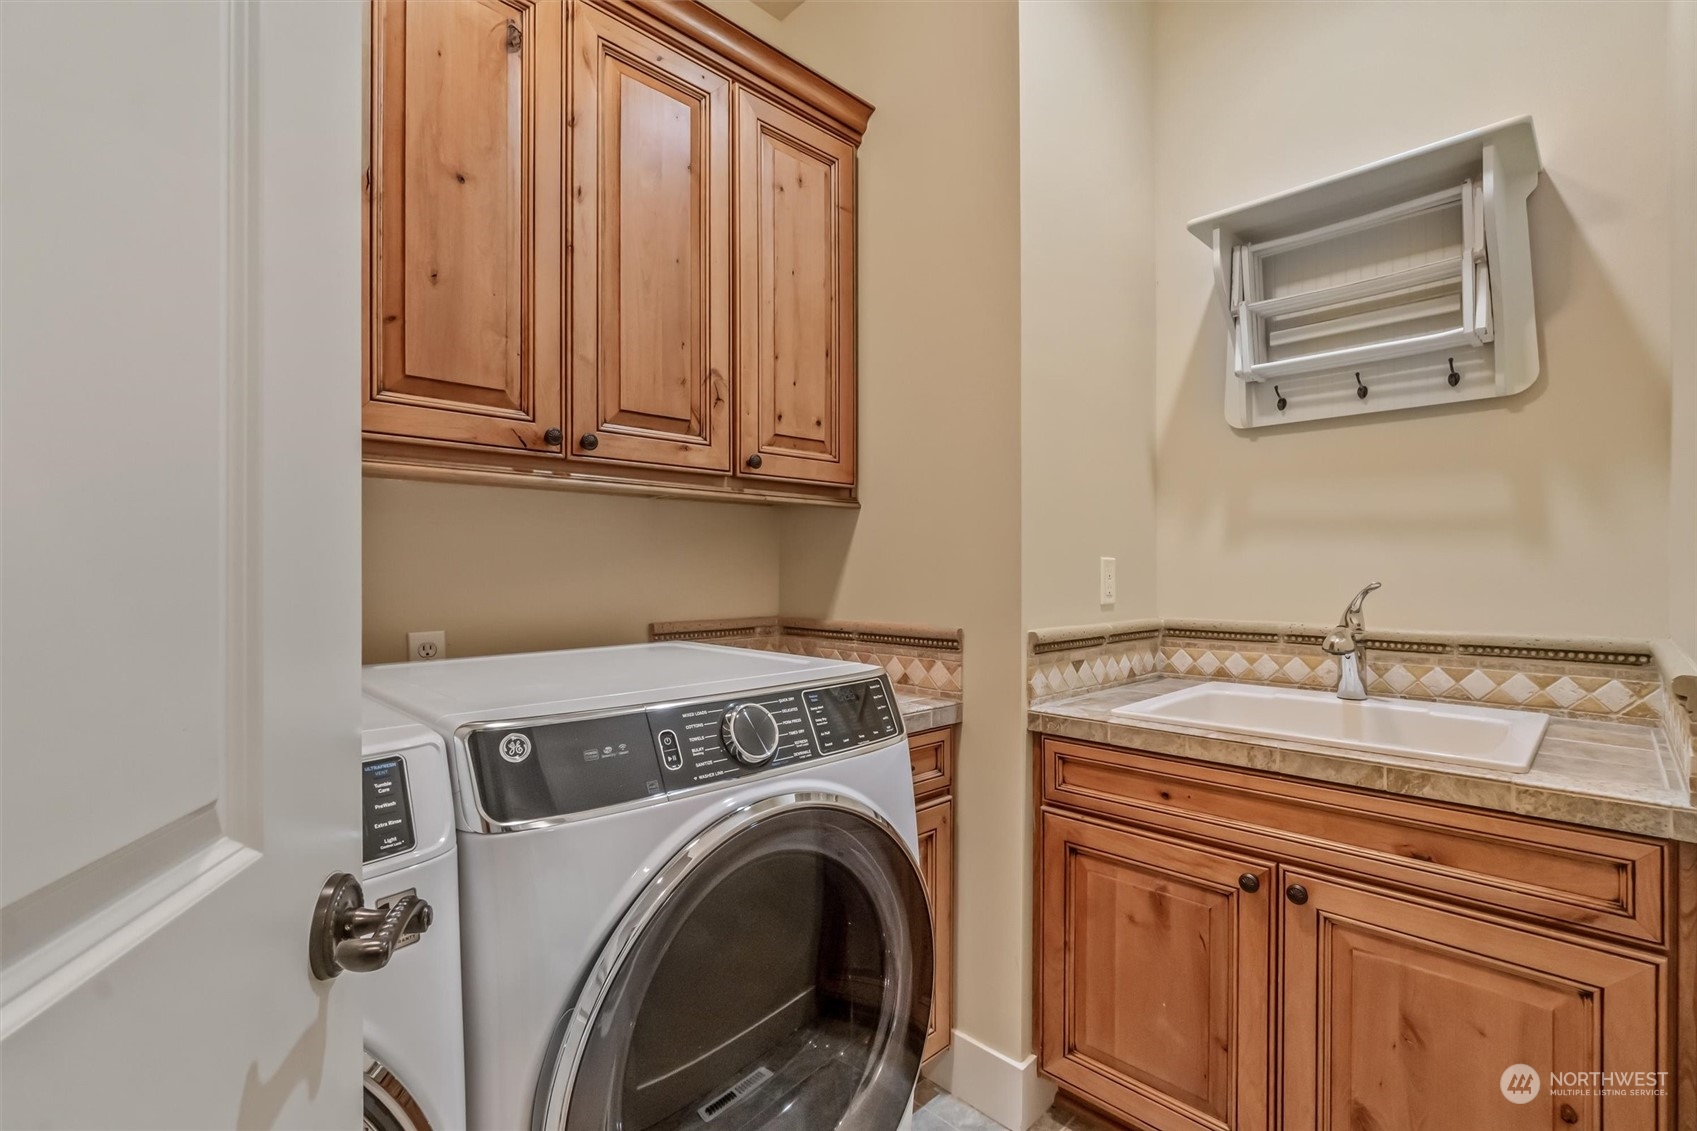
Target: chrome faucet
[[1344, 642]]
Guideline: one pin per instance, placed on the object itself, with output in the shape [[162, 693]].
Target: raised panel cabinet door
[[795, 297], [651, 250], [937, 869], [466, 263], [1155, 979], [1403, 1016]]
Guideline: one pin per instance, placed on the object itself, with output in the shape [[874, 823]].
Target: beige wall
[[937, 540], [1087, 308], [1545, 514], [1682, 493], [506, 569]]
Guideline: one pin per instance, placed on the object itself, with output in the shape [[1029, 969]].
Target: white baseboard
[[1007, 1090]]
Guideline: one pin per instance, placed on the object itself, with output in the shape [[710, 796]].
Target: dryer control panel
[[386, 808], [554, 769]]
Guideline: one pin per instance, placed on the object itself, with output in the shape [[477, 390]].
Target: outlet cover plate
[[427, 645]]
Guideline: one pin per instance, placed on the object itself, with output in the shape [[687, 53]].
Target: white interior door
[[179, 468]]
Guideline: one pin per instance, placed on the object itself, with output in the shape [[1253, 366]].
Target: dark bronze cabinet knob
[[1568, 1115], [553, 437], [1249, 882], [754, 461], [1296, 893], [589, 442]]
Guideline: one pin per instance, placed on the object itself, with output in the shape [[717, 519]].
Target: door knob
[[1249, 882], [589, 441], [346, 935], [1296, 893], [552, 437], [754, 461]]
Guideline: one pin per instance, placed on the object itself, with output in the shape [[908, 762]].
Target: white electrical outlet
[[1108, 586], [427, 645]]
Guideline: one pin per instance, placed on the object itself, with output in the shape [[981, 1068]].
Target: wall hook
[[1360, 389], [1281, 401], [1454, 377]]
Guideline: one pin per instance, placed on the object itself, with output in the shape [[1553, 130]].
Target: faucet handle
[[1346, 637], [1353, 613]]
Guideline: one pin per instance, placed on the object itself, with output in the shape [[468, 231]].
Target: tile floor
[[936, 1110]]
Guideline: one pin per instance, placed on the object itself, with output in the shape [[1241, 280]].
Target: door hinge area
[[515, 37]]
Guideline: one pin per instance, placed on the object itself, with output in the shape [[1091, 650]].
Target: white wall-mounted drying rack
[[1403, 283]]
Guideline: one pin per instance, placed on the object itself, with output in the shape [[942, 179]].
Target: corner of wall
[[1682, 495], [1087, 308]]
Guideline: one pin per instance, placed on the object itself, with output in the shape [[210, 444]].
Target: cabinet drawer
[[932, 753], [1608, 884]]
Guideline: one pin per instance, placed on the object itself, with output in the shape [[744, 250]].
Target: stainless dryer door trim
[[554, 1089]]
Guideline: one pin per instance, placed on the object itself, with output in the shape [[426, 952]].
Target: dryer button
[[670, 755]]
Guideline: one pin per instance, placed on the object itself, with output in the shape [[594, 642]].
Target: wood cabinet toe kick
[[1227, 949]]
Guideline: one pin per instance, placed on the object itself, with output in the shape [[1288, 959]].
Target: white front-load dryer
[[690, 891], [414, 1025]]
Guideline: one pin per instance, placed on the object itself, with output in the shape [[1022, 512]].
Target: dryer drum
[[775, 976]]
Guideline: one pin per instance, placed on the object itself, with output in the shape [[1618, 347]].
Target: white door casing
[[179, 559]]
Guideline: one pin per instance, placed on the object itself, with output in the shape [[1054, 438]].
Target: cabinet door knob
[[1296, 893], [1568, 1115], [753, 461], [589, 442], [552, 437], [1249, 882]]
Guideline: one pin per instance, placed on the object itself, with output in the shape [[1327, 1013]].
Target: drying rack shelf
[[1404, 283]]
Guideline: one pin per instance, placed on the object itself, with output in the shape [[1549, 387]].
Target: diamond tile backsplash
[[919, 659], [1619, 681]]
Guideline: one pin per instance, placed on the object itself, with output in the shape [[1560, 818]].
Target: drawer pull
[[1296, 893], [1249, 882], [1568, 1115]]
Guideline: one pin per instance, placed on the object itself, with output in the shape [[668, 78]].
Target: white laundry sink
[[1440, 732]]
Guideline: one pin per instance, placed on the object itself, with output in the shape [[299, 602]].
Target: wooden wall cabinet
[[465, 251], [795, 279], [651, 254], [1223, 949], [611, 245], [933, 756]]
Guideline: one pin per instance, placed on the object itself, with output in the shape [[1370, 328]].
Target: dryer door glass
[[777, 977]]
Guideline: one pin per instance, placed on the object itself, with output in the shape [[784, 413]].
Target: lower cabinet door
[[937, 870], [1400, 1015], [1156, 976]]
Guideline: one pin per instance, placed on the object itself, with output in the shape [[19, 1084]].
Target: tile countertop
[[926, 712], [1601, 773]]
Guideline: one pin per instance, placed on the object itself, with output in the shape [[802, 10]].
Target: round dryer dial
[[750, 733]]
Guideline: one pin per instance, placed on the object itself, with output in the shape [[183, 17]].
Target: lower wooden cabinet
[[937, 866], [1213, 958], [933, 756], [1156, 975], [1403, 1014]]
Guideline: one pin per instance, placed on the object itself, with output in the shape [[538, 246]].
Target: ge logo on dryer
[[515, 747]]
